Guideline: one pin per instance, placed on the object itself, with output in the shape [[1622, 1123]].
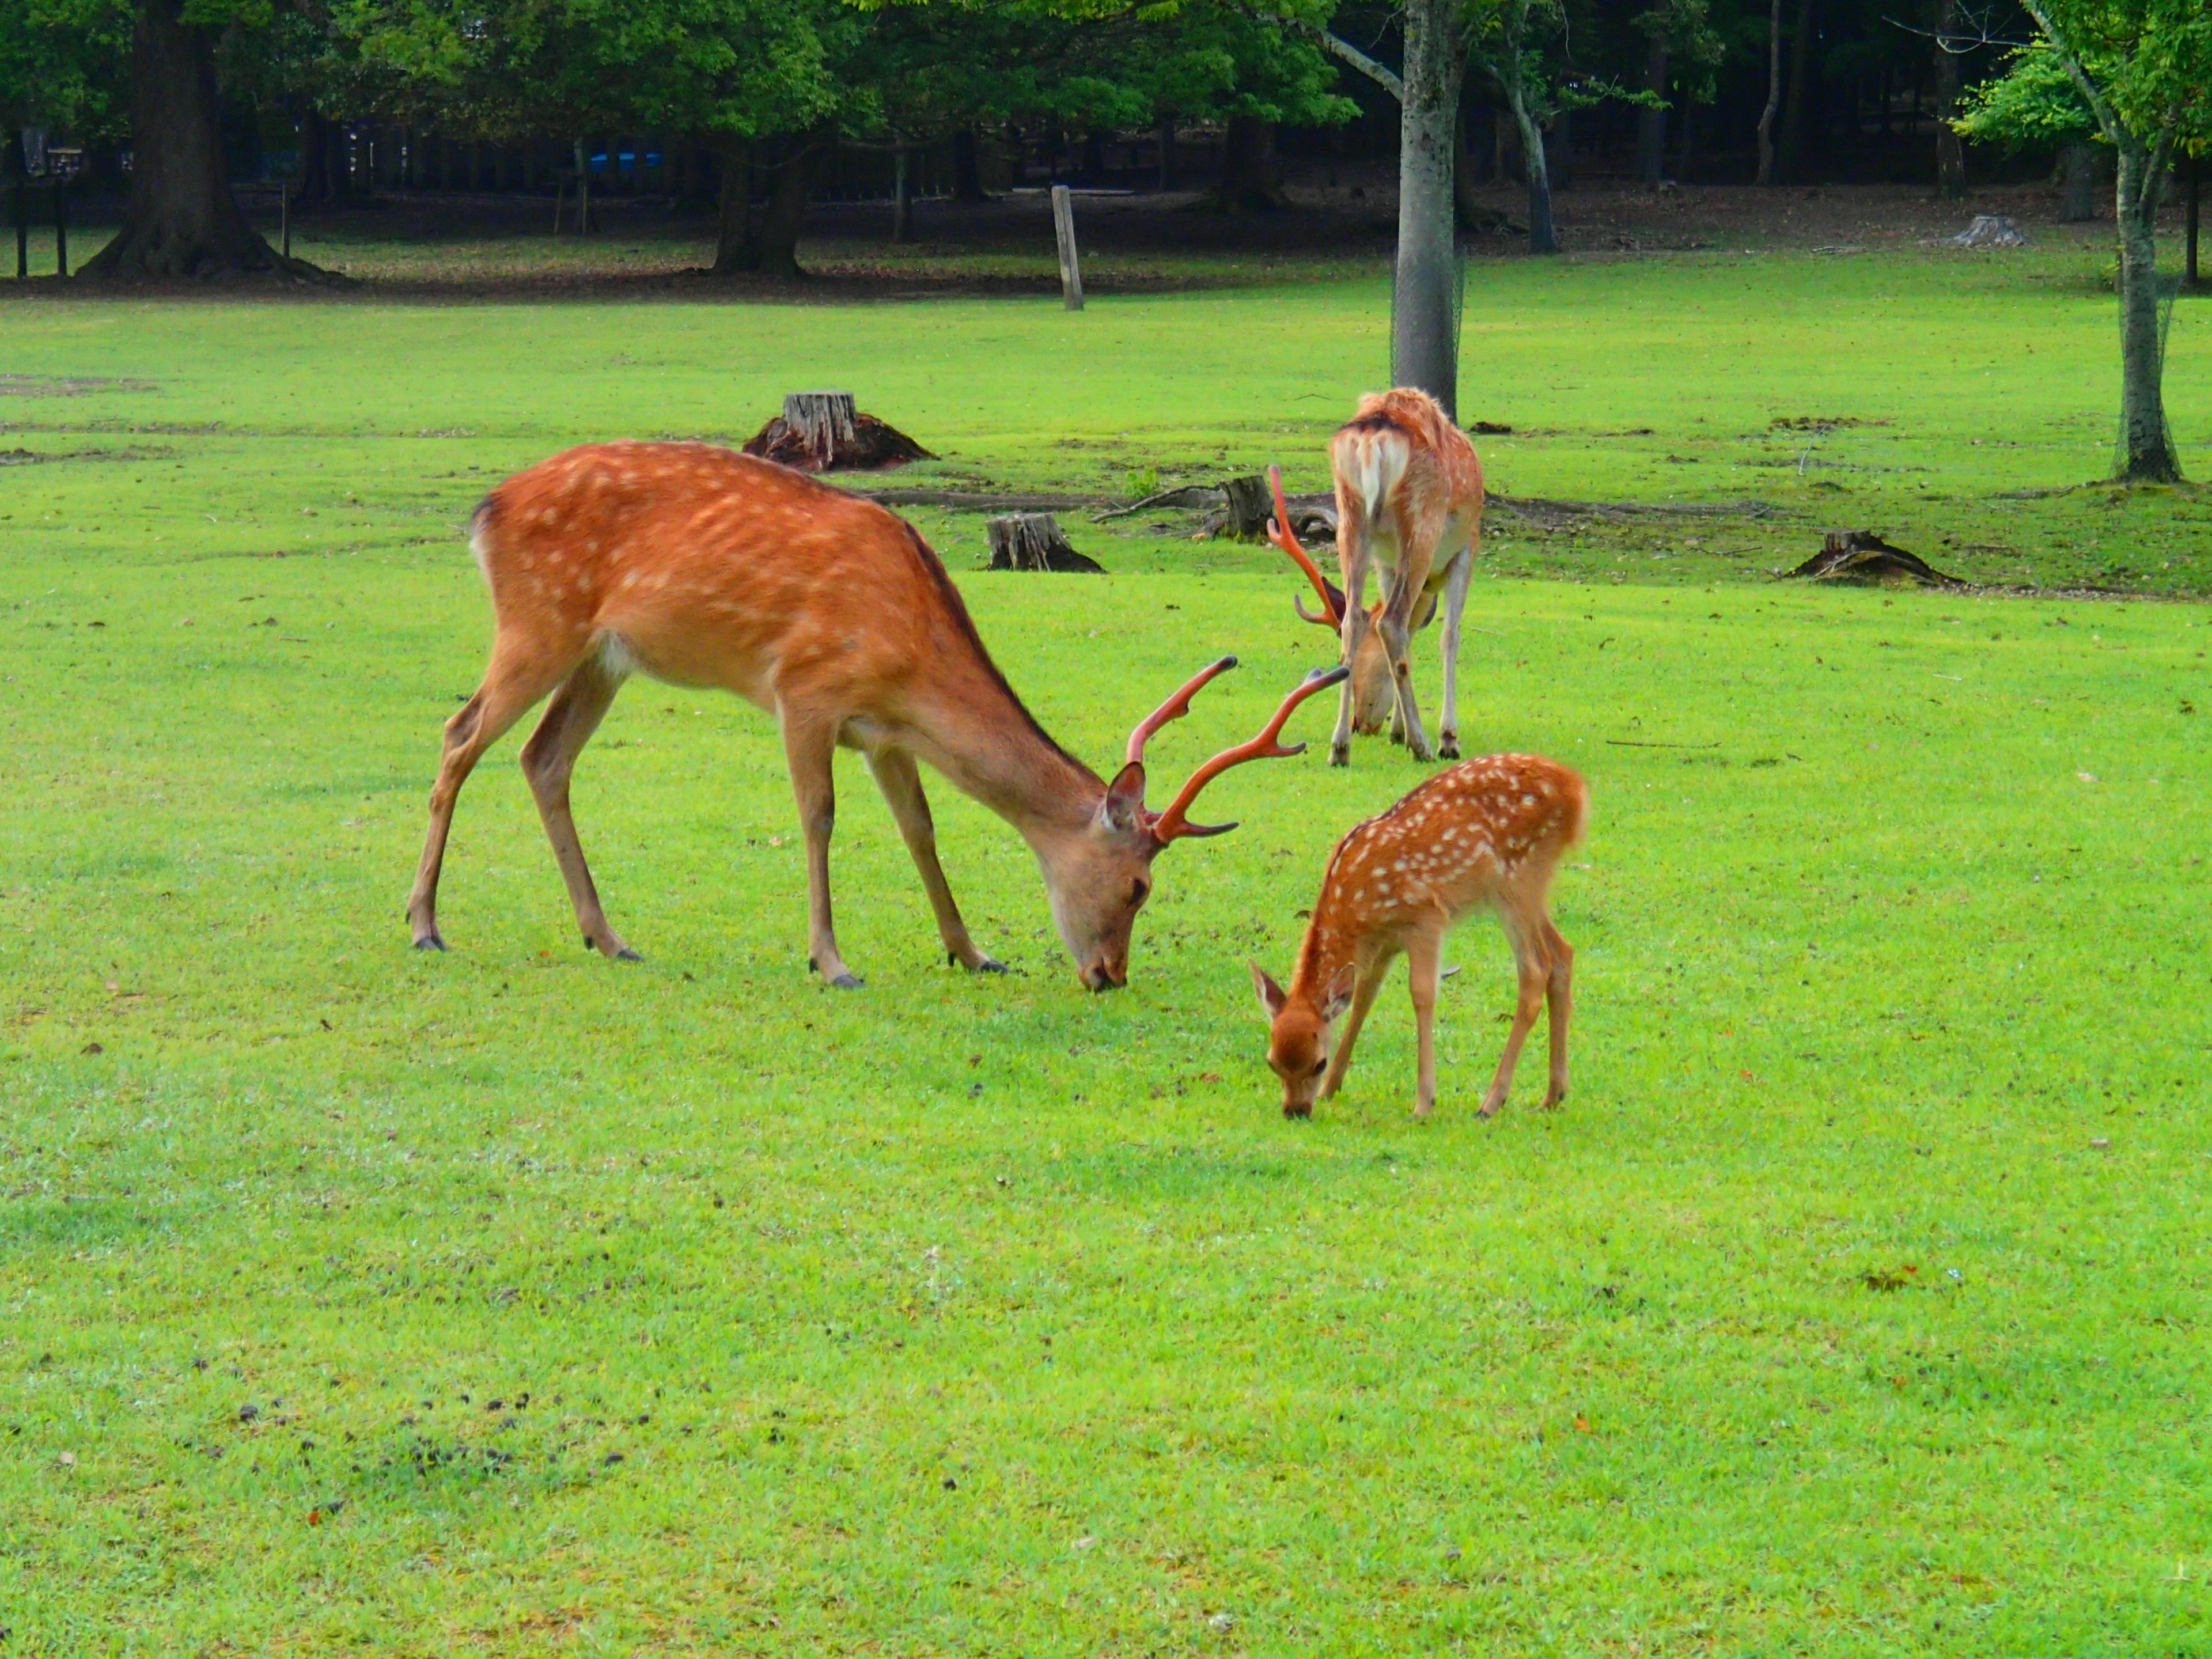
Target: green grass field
[[511, 1302]]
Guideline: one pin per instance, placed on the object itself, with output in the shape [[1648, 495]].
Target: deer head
[[1299, 1035], [1099, 873], [1373, 690]]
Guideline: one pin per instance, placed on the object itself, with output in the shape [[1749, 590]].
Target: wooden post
[[902, 198], [61, 226], [583, 190], [285, 208], [1063, 230], [22, 229]]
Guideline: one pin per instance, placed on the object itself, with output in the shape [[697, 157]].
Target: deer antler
[[1172, 823], [1278, 531], [1174, 709]]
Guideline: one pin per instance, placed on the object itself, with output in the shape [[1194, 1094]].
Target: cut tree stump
[[823, 432], [1032, 541], [1861, 555], [1251, 504], [1990, 230]]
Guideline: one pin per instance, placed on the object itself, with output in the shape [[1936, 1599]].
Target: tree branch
[[2099, 107], [1380, 74]]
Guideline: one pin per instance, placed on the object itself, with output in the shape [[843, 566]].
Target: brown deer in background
[[1409, 499], [705, 567], [1487, 832]]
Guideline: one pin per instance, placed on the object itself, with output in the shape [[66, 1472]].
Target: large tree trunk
[[1793, 107], [182, 219], [1652, 119], [1424, 285], [967, 168], [2149, 457], [1773, 92], [736, 249], [314, 158], [1250, 182], [2077, 189], [778, 238], [1950, 153]]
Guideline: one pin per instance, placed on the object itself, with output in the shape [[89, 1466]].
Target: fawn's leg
[[547, 759], [1526, 935], [1558, 993], [900, 779], [1371, 974], [1424, 953], [515, 679], [810, 744], [1462, 572]]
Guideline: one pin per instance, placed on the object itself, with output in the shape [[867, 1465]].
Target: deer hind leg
[[1352, 554], [1370, 980], [810, 746], [900, 779], [547, 759], [1417, 535], [1462, 571], [1559, 994], [515, 679], [1526, 933], [1423, 957]]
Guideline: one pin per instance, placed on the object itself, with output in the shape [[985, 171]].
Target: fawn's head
[[1100, 873], [1299, 1029]]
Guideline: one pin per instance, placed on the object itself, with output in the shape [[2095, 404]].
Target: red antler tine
[[1172, 823], [1278, 531], [1174, 709]]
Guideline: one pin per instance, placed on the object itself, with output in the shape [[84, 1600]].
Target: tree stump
[[1251, 504], [821, 432], [1032, 541], [1990, 230], [1861, 555]]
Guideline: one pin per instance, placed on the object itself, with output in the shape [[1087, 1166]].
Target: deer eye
[[1137, 890], [1319, 1066]]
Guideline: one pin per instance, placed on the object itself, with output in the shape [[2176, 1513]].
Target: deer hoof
[[431, 941], [625, 954], [990, 965], [1339, 754], [1449, 749], [848, 981]]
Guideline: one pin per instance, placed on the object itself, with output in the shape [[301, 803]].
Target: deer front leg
[[1462, 572], [1364, 988], [900, 779], [810, 746], [548, 761], [1531, 961], [1395, 634], [1424, 955]]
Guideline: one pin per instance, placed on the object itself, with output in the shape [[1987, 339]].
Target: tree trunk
[[967, 168], [1689, 138], [1167, 139], [1542, 237], [1950, 153], [2077, 193], [1773, 92], [182, 219], [1651, 120], [1793, 110], [2149, 457], [314, 158], [1248, 179], [902, 196], [1424, 285], [1466, 211], [2188, 276], [778, 240], [736, 249]]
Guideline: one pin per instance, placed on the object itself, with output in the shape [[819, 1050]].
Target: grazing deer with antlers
[[1487, 832], [704, 567], [1408, 499]]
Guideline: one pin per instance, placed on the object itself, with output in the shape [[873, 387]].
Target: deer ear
[[1338, 997], [1124, 806], [1271, 994]]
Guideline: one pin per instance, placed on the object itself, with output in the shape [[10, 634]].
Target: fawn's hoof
[[848, 981], [431, 941], [625, 954]]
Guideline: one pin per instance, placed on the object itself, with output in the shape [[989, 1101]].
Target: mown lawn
[[511, 1301]]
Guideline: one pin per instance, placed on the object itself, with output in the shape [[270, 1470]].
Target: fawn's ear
[[1339, 995], [1271, 994]]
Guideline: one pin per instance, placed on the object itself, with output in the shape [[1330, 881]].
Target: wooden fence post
[[1063, 230]]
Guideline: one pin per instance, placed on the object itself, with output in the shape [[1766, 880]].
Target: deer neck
[[1330, 943], [993, 750]]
